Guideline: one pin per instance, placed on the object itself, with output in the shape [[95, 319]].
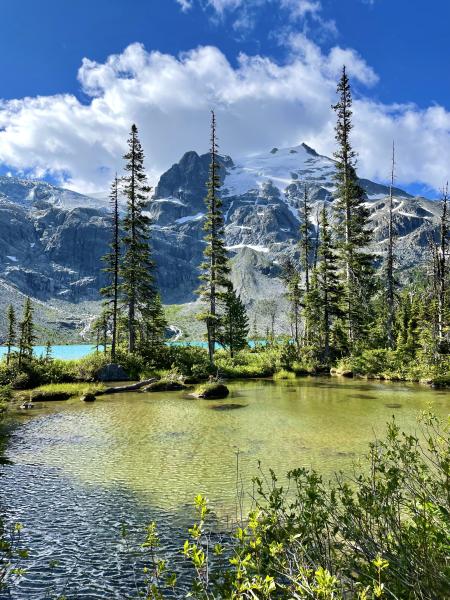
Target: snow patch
[[376, 196], [170, 200], [198, 217], [13, 258], [252, 247]]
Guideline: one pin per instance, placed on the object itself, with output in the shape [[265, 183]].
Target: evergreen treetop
[[214, 268]]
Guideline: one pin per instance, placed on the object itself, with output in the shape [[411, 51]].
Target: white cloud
[[259, 104], [185, 4], [244, 12], [300, 8]]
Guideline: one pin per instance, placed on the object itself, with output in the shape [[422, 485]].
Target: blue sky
[[397, 52]]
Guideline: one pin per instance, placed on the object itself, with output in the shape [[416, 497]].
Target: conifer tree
[[233, 329], [352, 219], [112, 260], [26, 333], [391, 282], [137, 285], [48, 351], [441, 269], [153, 326], [312, 313], [306, 243], [100, 327], [11, 334], [329, 289], [269, 308], [215, 267], [255, 333], [294, 294], [407, 325]]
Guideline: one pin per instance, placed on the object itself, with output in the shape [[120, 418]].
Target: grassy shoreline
[[61, 379]]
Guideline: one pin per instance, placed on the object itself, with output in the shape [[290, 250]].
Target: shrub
[[21, 381], [384, 534], [6, 395], [300, 368], [247, 364], [281, 375]]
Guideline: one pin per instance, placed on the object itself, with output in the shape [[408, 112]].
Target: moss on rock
[[212, 391], [164, 385]]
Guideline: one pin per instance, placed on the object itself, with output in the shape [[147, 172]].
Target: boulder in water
[[212, 391], [231, 406], [88, 397]]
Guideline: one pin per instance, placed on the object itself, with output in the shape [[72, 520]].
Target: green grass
[[74, 389], [60, 391], [283, 375]]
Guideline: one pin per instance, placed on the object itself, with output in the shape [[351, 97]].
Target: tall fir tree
[[329, 288], [26, 333], [112, 260], [153, 327], [312, 314], [11, 333], [233, 329], [351, 224], [137, 281], [294, 294], [214, 268], [306, 242], [407, 325], [100, 328], [48, 351], [391, 282], [440, 254]]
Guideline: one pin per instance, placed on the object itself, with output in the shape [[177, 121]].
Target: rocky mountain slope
[[262, 196], [52, 239]]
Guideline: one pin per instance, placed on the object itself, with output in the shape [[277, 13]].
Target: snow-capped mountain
[[261, 196], [52, 239], [32, 193]]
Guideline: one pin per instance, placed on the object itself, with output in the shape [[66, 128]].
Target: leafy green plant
[[283, 375]]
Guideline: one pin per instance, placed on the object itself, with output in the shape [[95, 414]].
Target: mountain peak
[[309, 150]]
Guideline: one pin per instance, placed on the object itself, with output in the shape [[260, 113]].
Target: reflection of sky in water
[[79, 470]]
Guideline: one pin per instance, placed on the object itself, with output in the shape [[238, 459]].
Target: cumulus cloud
[[259, 102]]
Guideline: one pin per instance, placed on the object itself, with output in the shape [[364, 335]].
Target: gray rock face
[[53, 252], [52, 240]]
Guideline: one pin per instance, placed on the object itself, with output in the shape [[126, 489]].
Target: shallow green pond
[[78, 470]]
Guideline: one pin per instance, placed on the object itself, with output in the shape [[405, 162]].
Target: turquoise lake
[[75, 351], [67, 352]]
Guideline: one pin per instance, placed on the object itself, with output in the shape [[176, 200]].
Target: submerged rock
[[27, 405], [341, 372], [112, 372], [88, 397], [227, 406]]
